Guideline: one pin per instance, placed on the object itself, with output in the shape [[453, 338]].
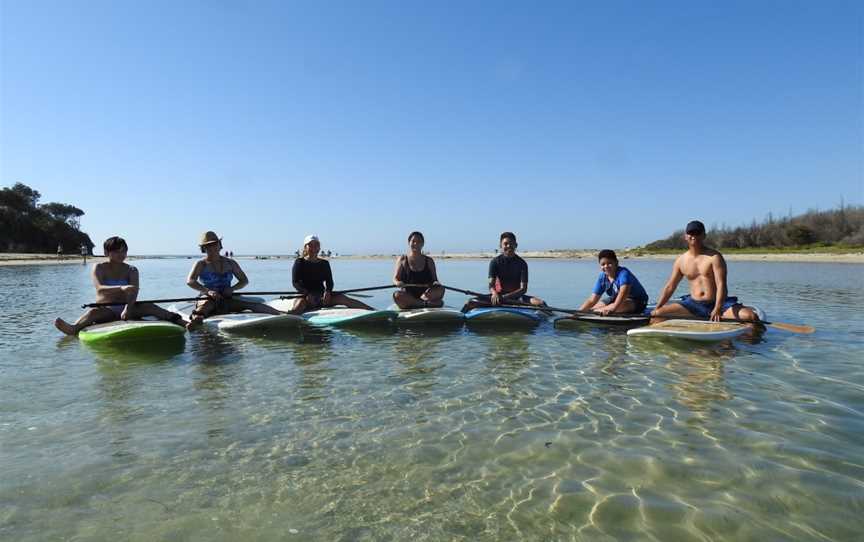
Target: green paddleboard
[[130, 331]]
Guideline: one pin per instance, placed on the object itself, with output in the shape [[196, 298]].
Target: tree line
[[842, 227], [32, 227]]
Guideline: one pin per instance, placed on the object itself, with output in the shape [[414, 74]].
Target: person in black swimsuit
[[313, 278], [417, 268]]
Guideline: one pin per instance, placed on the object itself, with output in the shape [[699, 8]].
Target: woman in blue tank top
[[116, 282], [417, 268], [212, 275]]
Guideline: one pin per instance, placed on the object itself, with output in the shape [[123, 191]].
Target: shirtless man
[[705, 270]]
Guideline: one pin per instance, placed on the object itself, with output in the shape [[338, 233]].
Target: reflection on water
[[436, 433]]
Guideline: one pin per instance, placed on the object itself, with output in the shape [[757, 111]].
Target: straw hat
[[208, 238]]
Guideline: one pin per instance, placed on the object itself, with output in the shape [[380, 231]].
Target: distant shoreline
[[7, 259]]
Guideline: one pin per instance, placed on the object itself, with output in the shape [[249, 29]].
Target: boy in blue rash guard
[[705, 270], [212, 275], [624, 293], [116, 282]]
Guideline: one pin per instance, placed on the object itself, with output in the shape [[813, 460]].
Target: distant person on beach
[[84, 251], [508, 278], [417, 268], [116, 282], [623, 292], [705, 270], [312, 277], [59, 251], [213, 275]]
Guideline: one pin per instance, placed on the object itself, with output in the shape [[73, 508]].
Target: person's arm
[[671, 284], [297, 278], [622, 295], [718, 266], [242, 279], [432, 271], [396, 271], [132, 292], [192, 281], [328, 283], [590, 302], [495, 297]]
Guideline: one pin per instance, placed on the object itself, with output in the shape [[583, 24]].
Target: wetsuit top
[[312, 277], [624, 276], [409, 276], [509, 273], [216, 281]]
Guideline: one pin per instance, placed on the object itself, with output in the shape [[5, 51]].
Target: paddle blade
[[794, 328]]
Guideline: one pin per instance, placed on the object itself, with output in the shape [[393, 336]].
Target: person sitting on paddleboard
[[212, 275], [116, 282], [705, 270], [313, 279], [624, 293], [508, 278], [417, 268]]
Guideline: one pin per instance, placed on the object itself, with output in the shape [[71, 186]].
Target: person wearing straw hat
[[212, 275], [313, 279]]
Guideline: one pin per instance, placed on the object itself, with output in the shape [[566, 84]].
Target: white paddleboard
[[244, 321], [339, 316], [442, 315], [693, 330]]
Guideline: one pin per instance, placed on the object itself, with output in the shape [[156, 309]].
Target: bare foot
[[194, 323], [65, 327]]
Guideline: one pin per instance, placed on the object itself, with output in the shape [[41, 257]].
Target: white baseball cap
[[309, 238]]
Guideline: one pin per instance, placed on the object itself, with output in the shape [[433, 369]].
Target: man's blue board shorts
[[704, 308]]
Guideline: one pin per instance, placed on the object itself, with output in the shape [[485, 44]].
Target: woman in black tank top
[[417, 269]]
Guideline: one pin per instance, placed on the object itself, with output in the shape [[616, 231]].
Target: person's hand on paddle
[[214, 295], [495, 298]]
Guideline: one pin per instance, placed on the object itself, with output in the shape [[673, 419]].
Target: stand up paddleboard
[[244, 321], [130, 331], [442, 315], [349, 317], [504, 316], [695, 330], [618, 320]]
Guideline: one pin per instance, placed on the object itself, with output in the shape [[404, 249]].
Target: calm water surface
[[435, 434]]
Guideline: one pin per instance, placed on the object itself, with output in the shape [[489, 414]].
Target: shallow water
[[436, 434]]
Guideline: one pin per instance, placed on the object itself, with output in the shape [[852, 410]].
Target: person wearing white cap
[[212, 275], [313, 278]]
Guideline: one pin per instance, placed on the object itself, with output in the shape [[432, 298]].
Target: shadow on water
[[698, 370]]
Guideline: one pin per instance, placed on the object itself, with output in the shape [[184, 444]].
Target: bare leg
[[96, 315], [299, 306], [235, 305], [669, 311], [537, 302], [740, 312], [405, 300], [342, 299], [202, 310], [435, 297], [626, 307], [150, 309]]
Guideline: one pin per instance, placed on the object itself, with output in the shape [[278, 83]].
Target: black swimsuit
[[409, 276]]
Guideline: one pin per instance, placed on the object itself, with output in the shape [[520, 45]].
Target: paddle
[[351, 291], [289, 295]]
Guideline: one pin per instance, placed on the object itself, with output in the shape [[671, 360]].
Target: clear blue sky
[[574, 124]]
